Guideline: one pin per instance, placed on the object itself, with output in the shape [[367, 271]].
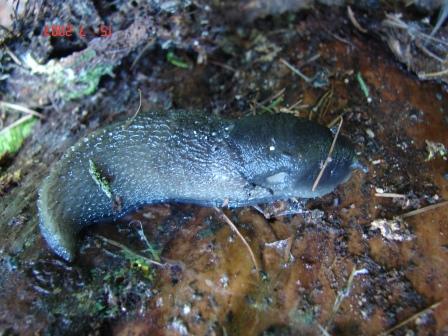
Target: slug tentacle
[[182, 156]]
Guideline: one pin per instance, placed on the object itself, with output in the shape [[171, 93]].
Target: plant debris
[[100, 179], [8, 181], [13, 136], [364, 87], [246, 244], [410, 319], [392, 229], [413, 44], [176, 61], [435, 149]]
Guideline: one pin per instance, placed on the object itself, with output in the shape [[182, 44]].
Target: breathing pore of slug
[[187, 157]]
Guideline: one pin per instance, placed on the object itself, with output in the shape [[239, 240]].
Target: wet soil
[[208, 285]]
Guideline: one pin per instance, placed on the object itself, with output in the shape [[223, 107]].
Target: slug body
[[182, 156]]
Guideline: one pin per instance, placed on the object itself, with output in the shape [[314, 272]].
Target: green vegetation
[[176, 61], [88, 80], [111, 291], [99, 179], [363, 86], [12, 137]]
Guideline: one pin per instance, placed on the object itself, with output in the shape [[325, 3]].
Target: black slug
[[188, 157]]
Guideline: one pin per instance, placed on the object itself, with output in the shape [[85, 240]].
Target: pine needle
[[128, 251], [410, 319], [20, 108], [328, 159], [129, 122], [234, 228], [424, 209]]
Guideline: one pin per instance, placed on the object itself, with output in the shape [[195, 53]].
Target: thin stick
[[429, 53], [355, 22], [261, 104], [424, 209], [144, 50], [20, 108], [410, 319], [129, 122], [339, 38], [323, 331], [234, 228], [17, 123], [5, 29], [390, 195], [335, 120], [393, 21], [297, 103], [295, 70], [129, 251], [443, 14], [312, 58], [287, 254], [13, 56], [273, 97], [222, 65], [328, 159], [343, 294], [425, 75]]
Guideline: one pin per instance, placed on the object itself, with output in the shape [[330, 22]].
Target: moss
[[87, 81], [108, 294], [71, 82], [100, 179]]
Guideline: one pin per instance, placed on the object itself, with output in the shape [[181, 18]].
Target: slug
[[186, 157]]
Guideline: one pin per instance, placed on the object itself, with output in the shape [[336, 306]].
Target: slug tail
[[58, 234]]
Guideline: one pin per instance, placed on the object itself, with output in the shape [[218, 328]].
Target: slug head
[[301, 176], [285, 154], [340, 165]]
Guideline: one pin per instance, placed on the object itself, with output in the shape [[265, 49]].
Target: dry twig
[[355, 22], [13, 56], [395, 21], [273, 97], [344, 293], [295, 70], [234, 228], [20, 108], [148, 45], [17, 122], [410, 319], [129, 251], [129, 122], [335, 120], [390, 195], [223, 65], [427, 75], [424, 209]]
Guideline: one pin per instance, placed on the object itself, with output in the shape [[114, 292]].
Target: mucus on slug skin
[[187, 157]]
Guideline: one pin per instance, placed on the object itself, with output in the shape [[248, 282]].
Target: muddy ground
[[208, 285]]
